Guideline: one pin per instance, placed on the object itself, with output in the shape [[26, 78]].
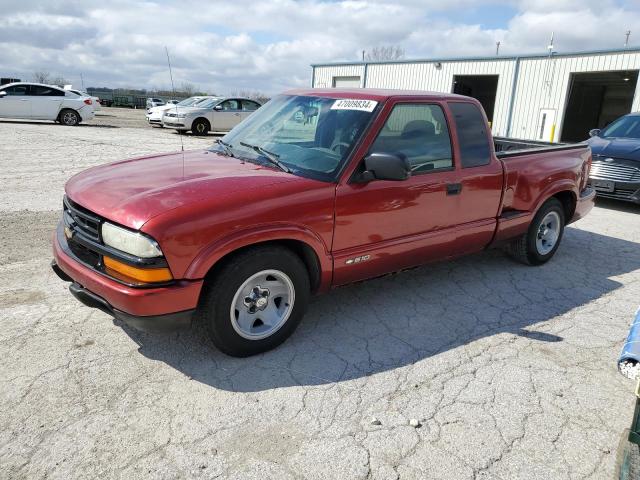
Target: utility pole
[[363, 55], [497, 48], [626, 41], [82, 81]]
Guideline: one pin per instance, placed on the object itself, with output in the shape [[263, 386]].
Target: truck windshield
[[311, 136], [625, 127]]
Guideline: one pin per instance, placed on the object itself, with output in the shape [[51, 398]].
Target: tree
[[58, 80], [385, 53], [254, 95], [41, 76]]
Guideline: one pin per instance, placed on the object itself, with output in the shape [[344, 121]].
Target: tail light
[[88, 101]]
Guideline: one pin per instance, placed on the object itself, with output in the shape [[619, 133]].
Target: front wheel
[[541, 241], [627, 459], [256, 301], [200, 127]]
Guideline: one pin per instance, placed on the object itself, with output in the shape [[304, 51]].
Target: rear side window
[[39, 91], [472, 135], [248, 105]]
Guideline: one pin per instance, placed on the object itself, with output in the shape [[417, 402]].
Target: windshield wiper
[[228, 148], [272, 157]]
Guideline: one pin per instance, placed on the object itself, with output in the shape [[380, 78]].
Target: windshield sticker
[[348, 104]]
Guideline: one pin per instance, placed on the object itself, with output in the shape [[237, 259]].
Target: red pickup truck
[[318, 188]]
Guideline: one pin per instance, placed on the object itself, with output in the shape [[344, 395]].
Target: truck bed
[[509, 147]]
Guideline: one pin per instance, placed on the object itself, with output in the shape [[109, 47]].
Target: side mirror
[[594, 132], [218, 108], [386, 166]]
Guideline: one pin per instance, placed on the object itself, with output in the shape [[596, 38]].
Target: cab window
[[420, 132]]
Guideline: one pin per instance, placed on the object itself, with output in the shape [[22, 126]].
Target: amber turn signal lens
[[140, 275]]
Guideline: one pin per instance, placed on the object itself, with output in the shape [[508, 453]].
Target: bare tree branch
[[385, 53]]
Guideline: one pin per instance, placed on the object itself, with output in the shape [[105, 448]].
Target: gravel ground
[[478, 368]]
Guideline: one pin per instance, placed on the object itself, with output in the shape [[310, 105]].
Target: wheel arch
[[309, 248], [565, 193]]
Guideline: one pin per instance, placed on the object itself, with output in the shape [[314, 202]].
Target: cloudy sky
[[268, 45]]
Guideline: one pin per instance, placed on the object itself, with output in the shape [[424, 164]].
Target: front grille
[[619, 193], [81, 220], [614, 171]]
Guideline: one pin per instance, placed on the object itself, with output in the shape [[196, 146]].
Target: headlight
[[181, 115], [134, 243]]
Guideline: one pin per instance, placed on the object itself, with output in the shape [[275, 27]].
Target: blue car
[[628, 458], [615, 172]]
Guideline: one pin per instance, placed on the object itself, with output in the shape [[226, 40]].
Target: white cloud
[[224, 46]]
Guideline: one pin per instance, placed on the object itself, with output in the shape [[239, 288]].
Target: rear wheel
[[255, 301], [69, 117], [541, 241], [200, 126], [627, 459]]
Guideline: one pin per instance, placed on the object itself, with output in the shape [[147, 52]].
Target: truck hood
[[626, 148], [133, 191]]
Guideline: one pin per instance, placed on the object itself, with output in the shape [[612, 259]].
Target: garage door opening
[[595, 100], [481, 87], [346, 82]]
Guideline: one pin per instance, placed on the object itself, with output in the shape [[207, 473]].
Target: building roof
[[634, 50], [377, 94]]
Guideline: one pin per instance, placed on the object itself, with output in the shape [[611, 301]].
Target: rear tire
[[200, 127], [627, 459], [541, 241], [69, 117], [256, 300]]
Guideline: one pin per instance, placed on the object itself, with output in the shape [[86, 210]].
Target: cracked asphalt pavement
[[509, 370]]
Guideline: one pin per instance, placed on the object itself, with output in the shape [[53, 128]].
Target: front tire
[[69, 117], [256, 300], [541, 241], [200, 126], [627, 459]]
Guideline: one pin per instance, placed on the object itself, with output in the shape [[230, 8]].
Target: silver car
[[213, 115]]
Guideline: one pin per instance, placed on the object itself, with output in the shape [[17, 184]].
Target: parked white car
[[96, 100], [214, 114], [154, 102], [154, 114], [36, 101]]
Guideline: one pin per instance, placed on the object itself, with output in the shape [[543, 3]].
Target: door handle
[[454, 188], [24, 99]]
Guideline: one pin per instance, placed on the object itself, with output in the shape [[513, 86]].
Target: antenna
[[173, 90]]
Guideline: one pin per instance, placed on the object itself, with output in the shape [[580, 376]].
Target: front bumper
[[150, 309], [626, 191], [178, 124], [584, 203]]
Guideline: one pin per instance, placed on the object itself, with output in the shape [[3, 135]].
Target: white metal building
[[557, 97]]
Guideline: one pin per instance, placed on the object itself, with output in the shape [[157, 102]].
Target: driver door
[[383, 226]]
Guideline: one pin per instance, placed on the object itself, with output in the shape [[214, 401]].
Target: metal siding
[[324, 75], [531, 93]]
